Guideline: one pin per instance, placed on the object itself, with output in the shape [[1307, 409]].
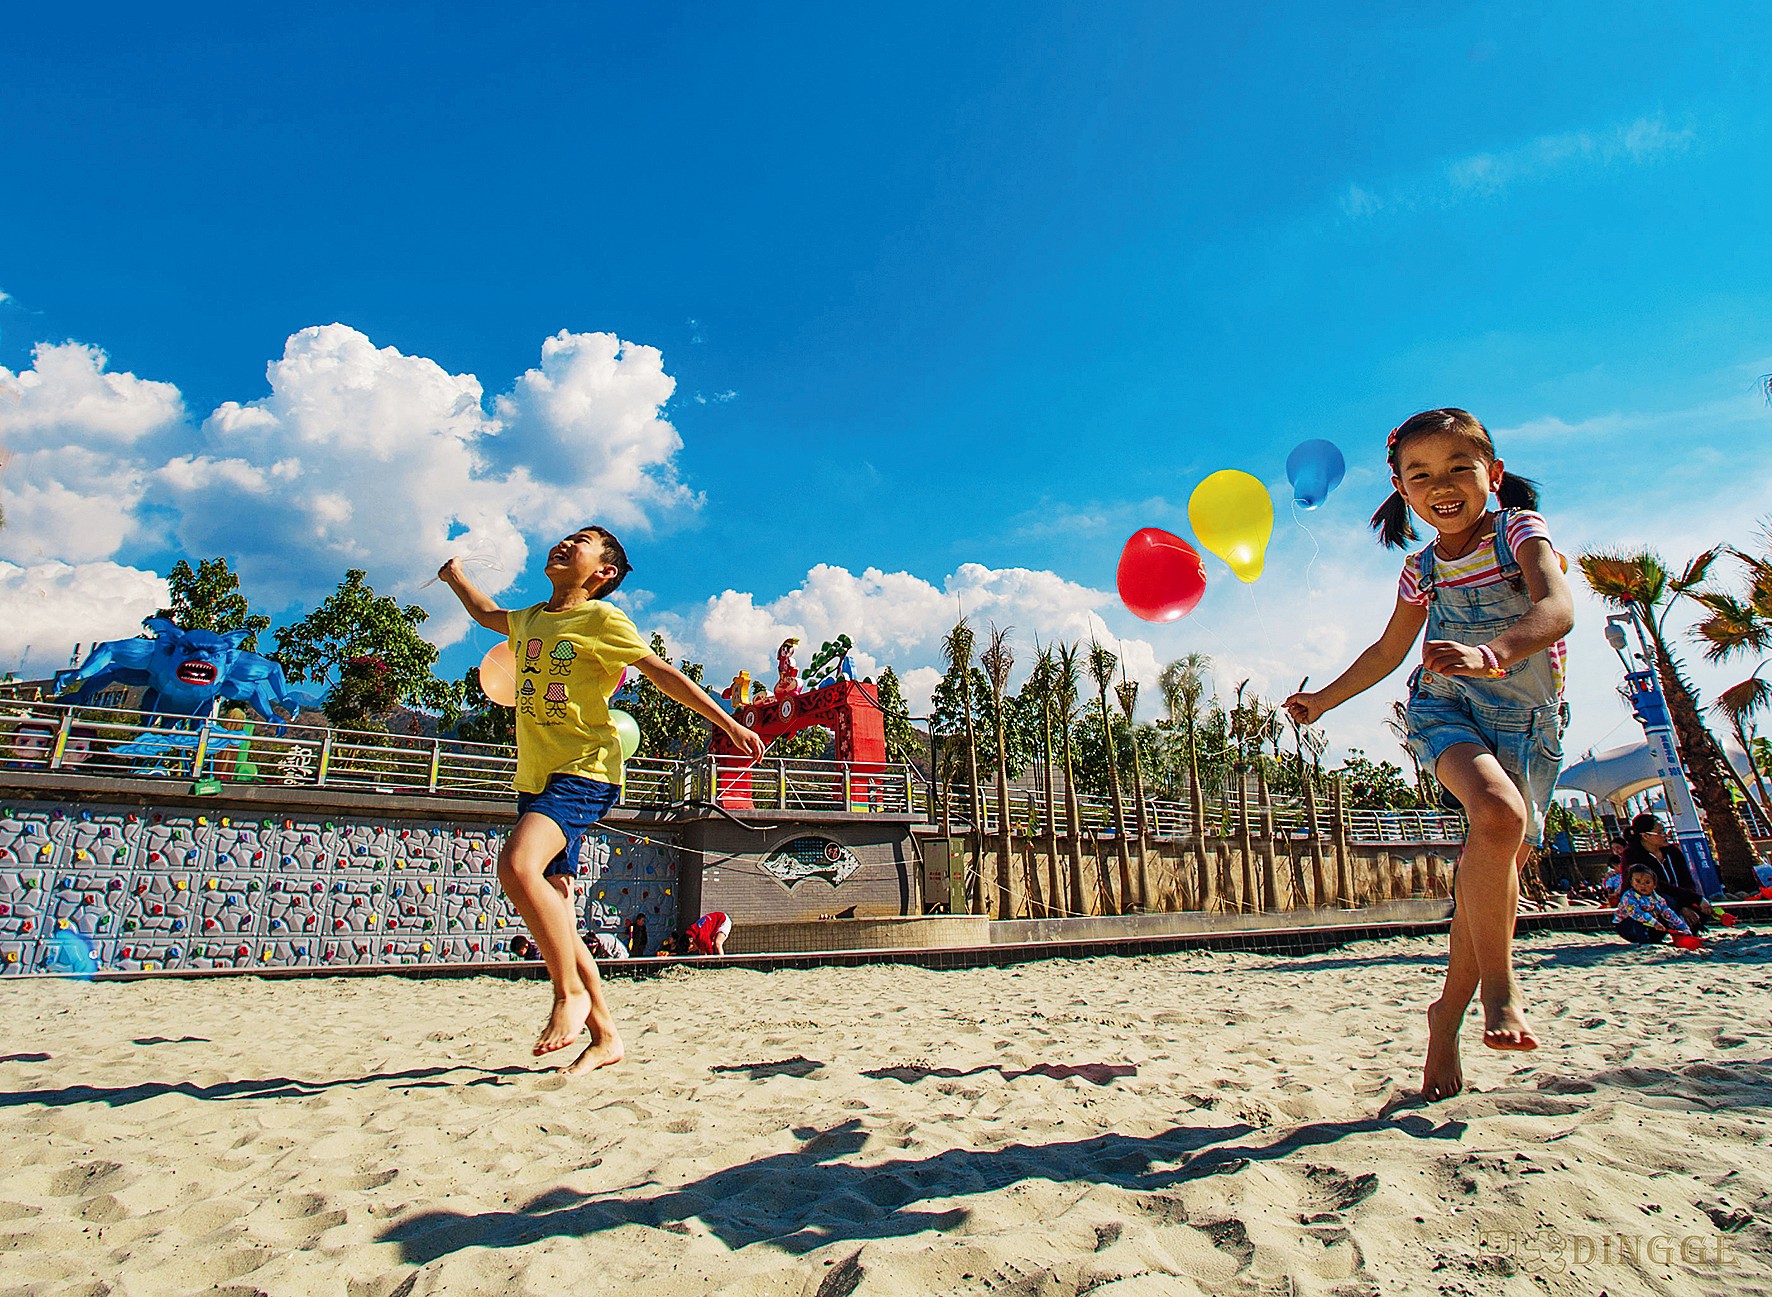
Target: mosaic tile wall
[[138, 888]]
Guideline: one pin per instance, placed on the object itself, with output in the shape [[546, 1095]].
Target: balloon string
[[1316, 549], [1260, 616], [472, 560]]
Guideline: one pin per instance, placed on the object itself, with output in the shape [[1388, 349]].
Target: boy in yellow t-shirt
[[570, 653]]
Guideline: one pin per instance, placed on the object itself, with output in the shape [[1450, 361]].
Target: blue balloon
[[1315, 468]]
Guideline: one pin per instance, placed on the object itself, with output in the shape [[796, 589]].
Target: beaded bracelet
[[1493, 664]]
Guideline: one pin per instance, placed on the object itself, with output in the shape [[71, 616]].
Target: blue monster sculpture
[[184, 672]]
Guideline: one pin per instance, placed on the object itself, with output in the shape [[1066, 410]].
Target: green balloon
[[627, 729]]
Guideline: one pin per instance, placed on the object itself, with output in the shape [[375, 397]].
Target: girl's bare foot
[[565, 1024], [1443, 1075], [1504, 1023], [601, 1052]]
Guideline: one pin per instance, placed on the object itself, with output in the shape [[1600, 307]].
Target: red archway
[[850, 709]]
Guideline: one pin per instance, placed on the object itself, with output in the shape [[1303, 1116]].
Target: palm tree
[[1309, 737], [1639, 582], [1101, 670], [1041, 683], [998, 661], [1740, 703], [1126, 692], [1738, 625], [1067, 683], [1267, 729], [1397, 722], [957, 648], [1183, 686]]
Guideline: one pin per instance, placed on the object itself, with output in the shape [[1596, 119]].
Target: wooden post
[[1345, 864]]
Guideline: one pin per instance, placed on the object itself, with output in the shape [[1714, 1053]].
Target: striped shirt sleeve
[[1524, 526], [1409, 584]]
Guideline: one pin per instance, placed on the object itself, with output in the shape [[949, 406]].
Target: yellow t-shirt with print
[[567, 666]]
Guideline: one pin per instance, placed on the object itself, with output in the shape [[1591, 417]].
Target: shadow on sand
[[806, 1199]]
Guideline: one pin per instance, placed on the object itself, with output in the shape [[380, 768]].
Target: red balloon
[[1161, 577]]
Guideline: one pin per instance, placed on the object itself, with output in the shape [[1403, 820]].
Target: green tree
[[474, 717], [1067, 680], [209, 598], [1101, 669], [814, 743], [903, 743], [667, 728], [356, 623], [1183, 686], [957, 646], [1376, 785], [998, 660]]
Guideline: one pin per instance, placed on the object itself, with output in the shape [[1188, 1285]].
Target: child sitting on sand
[[1643, 916], [569, 759], [1486, 710]]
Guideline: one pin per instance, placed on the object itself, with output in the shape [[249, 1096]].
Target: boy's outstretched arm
[[479, 606], [676, 686], [1368, 669]]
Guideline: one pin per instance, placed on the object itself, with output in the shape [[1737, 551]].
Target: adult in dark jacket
[[1647, 844]]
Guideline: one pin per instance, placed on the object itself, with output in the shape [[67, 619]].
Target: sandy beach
[[1119, 1126]]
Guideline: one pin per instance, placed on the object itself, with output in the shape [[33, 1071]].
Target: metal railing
[[97, 741]]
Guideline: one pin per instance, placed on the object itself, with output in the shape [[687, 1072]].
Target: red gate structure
[[850, 709]]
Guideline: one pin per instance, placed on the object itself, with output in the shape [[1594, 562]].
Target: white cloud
[[1488, 174], [898, 619], [359, 456], [50, 607], [74, 436], [586, 433]]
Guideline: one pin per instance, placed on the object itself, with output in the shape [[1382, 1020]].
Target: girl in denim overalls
[[1486, 710]]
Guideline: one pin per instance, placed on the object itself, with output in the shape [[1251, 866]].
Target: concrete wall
[[144, 884], [726, 868]]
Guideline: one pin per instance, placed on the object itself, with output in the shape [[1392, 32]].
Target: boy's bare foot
[[1504, 1023], [565, 1024], [601, 1052], [1443, 1075]]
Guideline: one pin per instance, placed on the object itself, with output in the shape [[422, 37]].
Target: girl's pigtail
[[1393, 523], [1516, 492]]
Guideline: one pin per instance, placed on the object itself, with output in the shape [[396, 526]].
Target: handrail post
[[436, 763], [781, 782], [202, 750], [61, 739], [847, 789], [325, 760]]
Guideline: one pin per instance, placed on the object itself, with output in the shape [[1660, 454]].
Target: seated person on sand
[[523, 948], [707, 935], [1647, 844], [606, 945], [1643, 917]]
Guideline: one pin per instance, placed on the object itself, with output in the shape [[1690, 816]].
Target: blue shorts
[[1527, 741], [574, 803]]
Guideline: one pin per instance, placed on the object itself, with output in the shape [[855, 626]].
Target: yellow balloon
[[1233, 515]]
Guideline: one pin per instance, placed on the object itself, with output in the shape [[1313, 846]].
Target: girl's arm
[[1368, 669], [1669, 919], [479, 607], [676, 686], [1551, 617]]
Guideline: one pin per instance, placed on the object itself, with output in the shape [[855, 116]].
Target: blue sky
[[908, 291]]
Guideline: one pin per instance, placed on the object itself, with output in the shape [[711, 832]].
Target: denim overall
[[1519, 717]]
